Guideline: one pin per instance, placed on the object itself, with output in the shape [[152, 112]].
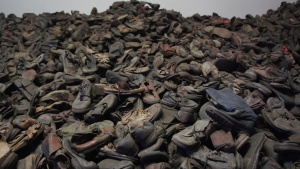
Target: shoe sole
[[117, 156], [255, 145], [241, 143], [10, 161], [227, 121], [286, 148]]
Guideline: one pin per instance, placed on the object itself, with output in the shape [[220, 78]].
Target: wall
[[225, 8]]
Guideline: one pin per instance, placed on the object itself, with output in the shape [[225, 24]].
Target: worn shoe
[[26, 87], [116, 164], [150, 94], [26, 137], [5, 130], [290, 146], [252, 154], [51, 144], [150, 114], [126, 146], [146, 134], [23, 122], [84, 98], [222, 141], [255, 100], [8, 159], [216, 159], [101, 108], [236, 113], [192, 135], [279, 118], [76, 160], [87, 141]]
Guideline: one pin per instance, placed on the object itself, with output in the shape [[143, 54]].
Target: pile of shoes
[[137, 86]]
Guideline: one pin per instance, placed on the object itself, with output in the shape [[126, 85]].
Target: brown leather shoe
[[26, 87], [255, 100], [167, 50], [26, 137], [23, 122], [76, 160], [107, 132], [51, 144], [150, 94], [117, 89], [241, 141], [150, 114], [222, 140]]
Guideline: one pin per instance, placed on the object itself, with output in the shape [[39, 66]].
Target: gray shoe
[[146, 134], [68, 59], [115, 164], [216, 159], [126, 146], [99, 110], [84, 98], [279, 118], [187, 113], [76, 160], [192, 135], [116, 50], [202, 112], [154, 147]]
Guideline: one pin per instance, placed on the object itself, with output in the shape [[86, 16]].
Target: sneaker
[[233, 112]]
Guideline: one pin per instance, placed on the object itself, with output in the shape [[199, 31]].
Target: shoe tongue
[[84, 92]]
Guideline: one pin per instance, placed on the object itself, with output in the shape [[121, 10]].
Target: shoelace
[[21, 63], [88, 60], [286, 116], [136, 112], [81, 91], [71, 59]]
